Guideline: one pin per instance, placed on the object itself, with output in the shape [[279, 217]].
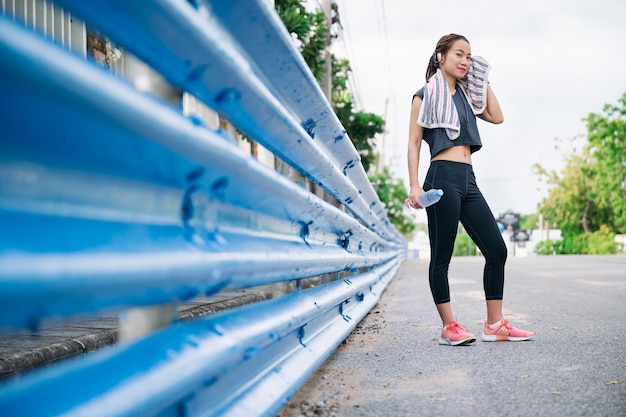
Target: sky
[[553, 63]]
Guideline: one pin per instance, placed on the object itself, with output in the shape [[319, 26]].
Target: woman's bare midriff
[[456, 154]]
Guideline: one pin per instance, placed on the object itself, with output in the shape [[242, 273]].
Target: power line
[[383, 45], [381, 19], [346, 41]]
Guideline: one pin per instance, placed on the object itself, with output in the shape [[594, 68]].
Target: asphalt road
[[576, 365]]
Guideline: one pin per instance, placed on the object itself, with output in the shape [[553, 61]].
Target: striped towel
[[438, 110]]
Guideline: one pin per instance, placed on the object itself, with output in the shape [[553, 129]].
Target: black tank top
[[438, 139]]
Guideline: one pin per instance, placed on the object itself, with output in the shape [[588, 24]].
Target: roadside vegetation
[[587, 199], [310, 32]]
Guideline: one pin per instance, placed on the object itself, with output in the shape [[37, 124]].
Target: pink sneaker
[[505, 332], [454, 335]]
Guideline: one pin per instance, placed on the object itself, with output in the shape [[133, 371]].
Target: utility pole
[[383, 139]]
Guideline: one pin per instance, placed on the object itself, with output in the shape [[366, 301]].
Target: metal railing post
[[137, 322]]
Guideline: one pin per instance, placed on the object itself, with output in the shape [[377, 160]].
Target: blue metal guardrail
[[110, 198]]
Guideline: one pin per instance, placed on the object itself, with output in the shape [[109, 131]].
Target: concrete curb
[[12, 365], [17, 363]]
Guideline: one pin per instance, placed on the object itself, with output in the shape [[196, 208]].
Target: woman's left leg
[[478, 220], [480, 224]]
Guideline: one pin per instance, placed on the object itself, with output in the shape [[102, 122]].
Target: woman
[[443, 114]]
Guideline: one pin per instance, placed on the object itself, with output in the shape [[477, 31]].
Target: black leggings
[[462, 200]]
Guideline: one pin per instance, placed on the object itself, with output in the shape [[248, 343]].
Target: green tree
[[587, 200], [463, 244], [567, 205], [361, 127], [309, 28], [607, 144], [528, 221], [392, 194]]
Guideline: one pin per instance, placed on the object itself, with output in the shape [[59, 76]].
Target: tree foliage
[[392, 193], [463, 244], [599, 242], [362, 127], [528, 221], [607, 143], [587, 200], [309, 29]]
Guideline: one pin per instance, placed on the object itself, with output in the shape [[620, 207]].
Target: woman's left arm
[[493, 112]]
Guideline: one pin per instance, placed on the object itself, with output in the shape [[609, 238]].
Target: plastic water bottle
[[430, 197]]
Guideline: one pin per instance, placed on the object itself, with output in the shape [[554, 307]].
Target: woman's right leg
[[443, 219]]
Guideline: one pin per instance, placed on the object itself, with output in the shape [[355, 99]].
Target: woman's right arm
[[416, 132]]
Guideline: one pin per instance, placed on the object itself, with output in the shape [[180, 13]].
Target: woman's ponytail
[[433, 64]]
